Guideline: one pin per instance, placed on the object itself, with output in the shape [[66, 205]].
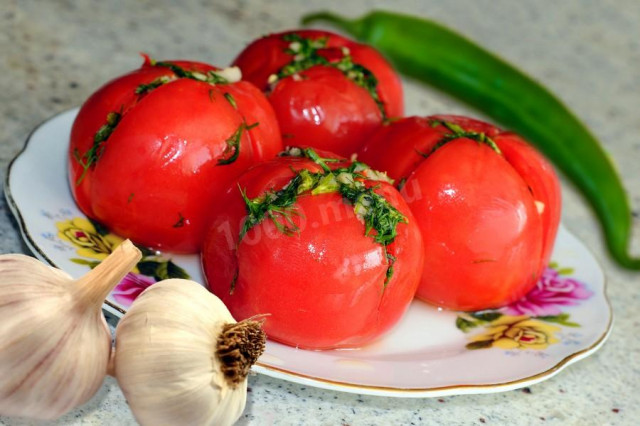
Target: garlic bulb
[[181, 358], [54, 340]]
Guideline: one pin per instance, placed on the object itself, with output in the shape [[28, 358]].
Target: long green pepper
[[436, 55]]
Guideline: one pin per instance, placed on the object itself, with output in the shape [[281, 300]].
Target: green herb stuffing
[[91, 157], [211, 77], [180, 223], [458, 132], [232, 151], [229, 97], [305, 55], [143, 89], [376, 212]]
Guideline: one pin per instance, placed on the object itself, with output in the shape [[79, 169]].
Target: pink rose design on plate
[[548, 296], [130, 288]]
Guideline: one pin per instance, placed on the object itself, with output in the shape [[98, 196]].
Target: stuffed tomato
[[151, 150], [326, 248], [487, 204], [327, 91]]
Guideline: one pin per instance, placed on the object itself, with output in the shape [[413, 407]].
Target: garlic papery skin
[[54, 341], [181, 358]]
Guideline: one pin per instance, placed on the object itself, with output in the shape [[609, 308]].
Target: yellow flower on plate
[[516, 332], [83, 235]]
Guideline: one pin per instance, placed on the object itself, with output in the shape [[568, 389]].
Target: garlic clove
[[54, 340], [181, 358]]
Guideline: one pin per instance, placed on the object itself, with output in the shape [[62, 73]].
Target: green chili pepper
[[447, 60]]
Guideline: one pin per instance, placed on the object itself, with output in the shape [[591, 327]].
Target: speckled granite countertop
[[54, 54]]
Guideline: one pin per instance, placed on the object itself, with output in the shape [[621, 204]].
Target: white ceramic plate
[[429, 353]]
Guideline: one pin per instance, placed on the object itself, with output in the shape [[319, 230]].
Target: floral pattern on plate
[[93, 243], [525, 323]]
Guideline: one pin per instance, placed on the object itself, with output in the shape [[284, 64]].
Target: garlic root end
[[239, 346]]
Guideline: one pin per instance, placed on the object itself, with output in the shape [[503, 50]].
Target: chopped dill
[[380, 218], [232, 151], [305, 55], [180, 223], [458, 132], [143, 89], [229, 97], [211, 77], [93, 154]]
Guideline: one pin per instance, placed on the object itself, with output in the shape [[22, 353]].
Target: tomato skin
[[322, 287], [159, 169], [537, 172], [323, 101], [341, 114], [488, 221], [483, 237], [397, 148], [265, 137], [543, 183], [118, 94]]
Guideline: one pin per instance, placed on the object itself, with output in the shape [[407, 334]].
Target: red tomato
[[323, 280], [488, 219], [328, 92], [152, 149]]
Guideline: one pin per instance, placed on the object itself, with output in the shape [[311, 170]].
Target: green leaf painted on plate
[[562, 319], [174, 271], [482, 344], [486, 316], [465, 325], [565, 271], [161, 269], [90, 263], [100, 228], [146, 252]]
